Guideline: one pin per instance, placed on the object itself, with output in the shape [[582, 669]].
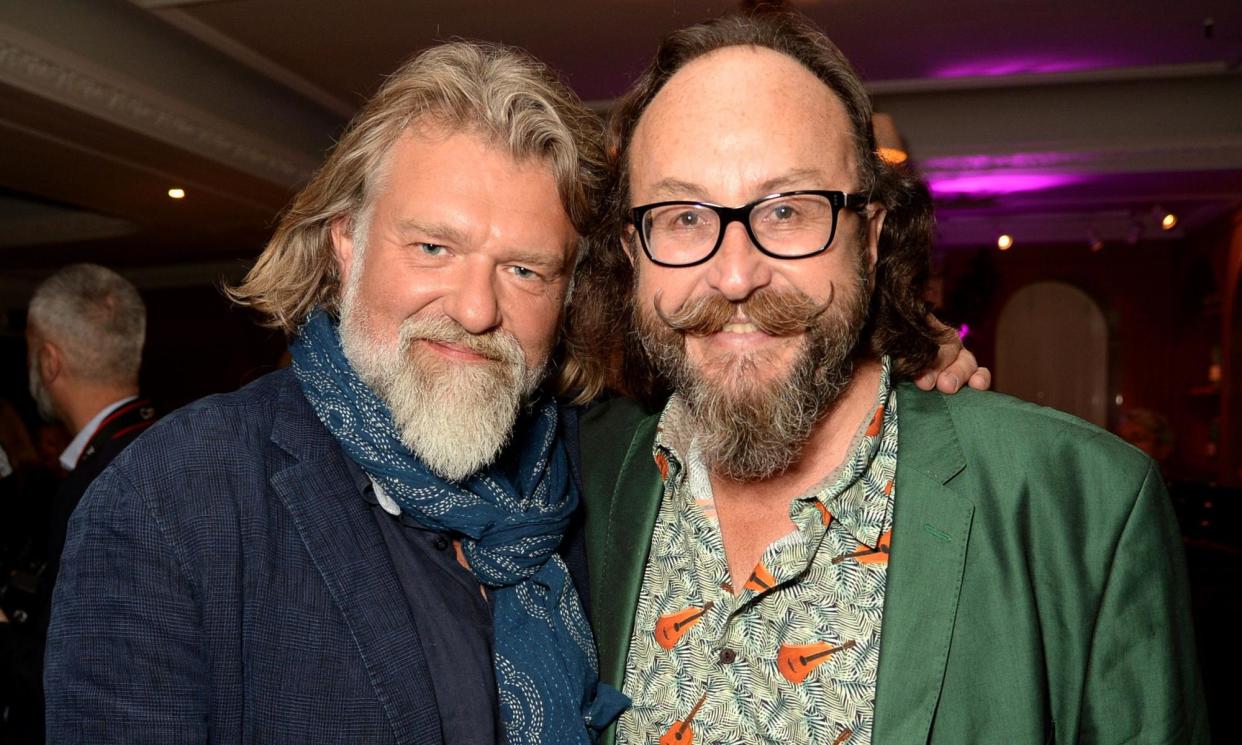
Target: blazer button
[[440, 543], [727, 656]]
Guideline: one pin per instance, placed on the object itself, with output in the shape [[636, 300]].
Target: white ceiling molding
[[37, 67]]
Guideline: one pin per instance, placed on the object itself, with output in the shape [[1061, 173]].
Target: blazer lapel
[[347, 548], [931, 529], [617, 579]]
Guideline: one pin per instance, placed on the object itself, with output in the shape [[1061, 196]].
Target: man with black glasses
[[799, 546]]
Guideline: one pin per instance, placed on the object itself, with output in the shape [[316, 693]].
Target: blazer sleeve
[[1142, 681], [125, 660]]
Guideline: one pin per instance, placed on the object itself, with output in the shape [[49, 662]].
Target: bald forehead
[[733, 102], [730, 77]]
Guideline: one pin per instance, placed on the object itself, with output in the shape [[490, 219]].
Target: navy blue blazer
[[224, 582]]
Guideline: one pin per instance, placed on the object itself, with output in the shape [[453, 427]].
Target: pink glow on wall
[[1019, 65], [996, 183], [1014, 161], [963, 331]]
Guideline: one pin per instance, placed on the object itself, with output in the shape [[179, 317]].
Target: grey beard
[[40, 394], [456, 418], [749, 431], [759, 431]]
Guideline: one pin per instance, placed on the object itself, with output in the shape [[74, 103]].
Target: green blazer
[[1036, 586]]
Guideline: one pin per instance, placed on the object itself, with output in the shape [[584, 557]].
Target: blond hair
[[503, 94]]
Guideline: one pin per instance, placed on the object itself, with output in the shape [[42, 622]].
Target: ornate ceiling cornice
[[57, 75]]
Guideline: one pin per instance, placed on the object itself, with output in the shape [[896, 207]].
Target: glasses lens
[[680, 233], [793, 225]]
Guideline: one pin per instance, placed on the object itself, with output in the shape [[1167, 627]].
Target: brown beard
[[748, 430]]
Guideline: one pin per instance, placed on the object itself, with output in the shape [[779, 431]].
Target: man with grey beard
[[376, 545], [798, 545]]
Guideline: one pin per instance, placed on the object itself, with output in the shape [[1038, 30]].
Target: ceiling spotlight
[[888, 140], [1004, 242], [1168, 221], [1094, 241], [176, 193]]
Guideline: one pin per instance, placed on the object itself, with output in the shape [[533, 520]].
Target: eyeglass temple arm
[[857, 202]]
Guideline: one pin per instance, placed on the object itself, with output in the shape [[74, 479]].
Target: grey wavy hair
[[503, 94], [98, 320]]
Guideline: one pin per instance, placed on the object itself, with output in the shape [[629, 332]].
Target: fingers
[[954, 366], [947, 382], [961, 369], [981, 380]]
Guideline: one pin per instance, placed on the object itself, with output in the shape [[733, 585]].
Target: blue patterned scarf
[[512, 517]]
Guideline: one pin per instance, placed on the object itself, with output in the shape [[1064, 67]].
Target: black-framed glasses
[[788, 225]]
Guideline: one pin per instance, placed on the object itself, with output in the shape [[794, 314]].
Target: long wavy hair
[[602, 349], [500, 93]]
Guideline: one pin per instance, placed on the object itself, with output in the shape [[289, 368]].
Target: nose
[[738, 269], [473, 302]]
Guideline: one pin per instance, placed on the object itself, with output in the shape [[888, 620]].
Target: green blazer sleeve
[[1142, 685], [1037, 589]]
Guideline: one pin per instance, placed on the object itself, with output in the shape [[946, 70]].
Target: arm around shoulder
[[1143, 683], [125, 661]]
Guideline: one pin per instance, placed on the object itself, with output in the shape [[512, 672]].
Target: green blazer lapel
[[931, 529], [618, 543]]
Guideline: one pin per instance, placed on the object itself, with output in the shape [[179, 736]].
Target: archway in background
[[1052, 349]]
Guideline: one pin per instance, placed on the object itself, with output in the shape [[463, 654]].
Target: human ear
[[629, 244], [343, 244], [875, 226], [49, 361]]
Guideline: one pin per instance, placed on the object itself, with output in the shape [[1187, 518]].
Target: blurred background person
[[22, 476], [84, 337], [84, 333], [26, 487]]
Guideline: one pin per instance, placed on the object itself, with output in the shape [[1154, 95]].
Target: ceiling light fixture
[[1168, 221], [176, 193], [1094, 241], [1004, 242], [888, 140]]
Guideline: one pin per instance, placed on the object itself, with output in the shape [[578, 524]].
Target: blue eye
[[431, 249], [522, 272]]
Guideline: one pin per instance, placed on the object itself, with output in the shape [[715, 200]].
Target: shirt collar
[[69, 458], [864, 512]]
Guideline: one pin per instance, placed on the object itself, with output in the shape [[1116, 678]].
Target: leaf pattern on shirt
[[727, 652]]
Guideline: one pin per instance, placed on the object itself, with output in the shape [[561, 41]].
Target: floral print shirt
[[791, 656]]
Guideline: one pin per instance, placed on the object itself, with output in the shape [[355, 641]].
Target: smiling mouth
[[739, 328], [457, 351]]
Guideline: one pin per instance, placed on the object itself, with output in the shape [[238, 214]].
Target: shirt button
[[727, 656], [440, 543]]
